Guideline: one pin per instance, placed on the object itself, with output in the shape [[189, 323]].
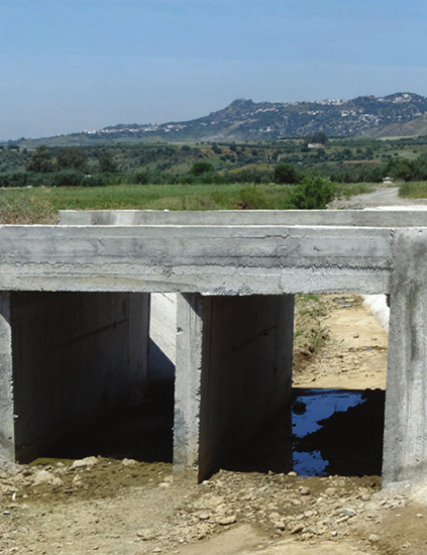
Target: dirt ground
[[125, 507]]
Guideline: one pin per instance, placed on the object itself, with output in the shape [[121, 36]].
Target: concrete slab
[[211, 260]]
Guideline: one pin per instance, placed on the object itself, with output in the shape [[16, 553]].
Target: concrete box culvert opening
[[337, 420], [122, 383], [79, 368]]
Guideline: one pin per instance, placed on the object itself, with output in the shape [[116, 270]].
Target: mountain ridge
[[244, 119], [401, 114]]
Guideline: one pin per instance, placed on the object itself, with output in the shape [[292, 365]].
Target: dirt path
[[355, 355], [382, 196]]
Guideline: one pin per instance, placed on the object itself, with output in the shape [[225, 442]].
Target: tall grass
[[413, 189], [41, 204], [348, 190], [44, 202]]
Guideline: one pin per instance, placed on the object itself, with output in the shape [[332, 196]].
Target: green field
[[41, 204]]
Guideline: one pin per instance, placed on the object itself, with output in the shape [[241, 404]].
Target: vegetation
[[314, 192], [251, 175], [413, 190]]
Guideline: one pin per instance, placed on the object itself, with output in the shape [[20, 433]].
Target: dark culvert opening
[[338, 432], [142, 431], [325, 431]]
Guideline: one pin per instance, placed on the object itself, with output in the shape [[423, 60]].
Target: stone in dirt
[[84, 463], [46, 477], [227, 520]]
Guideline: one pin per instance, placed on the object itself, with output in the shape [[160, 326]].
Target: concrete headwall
[[75, 355]]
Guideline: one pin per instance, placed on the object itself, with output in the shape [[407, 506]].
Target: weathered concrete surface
[[162, 349], [401, 217], [224, 260], [75, 356], [236, 353], [405, 430], [7, 431]]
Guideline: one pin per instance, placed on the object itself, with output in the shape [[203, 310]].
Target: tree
[[40, 161], [201, 167], [72, 158], [285, 173], [319, 138], [107, 164]]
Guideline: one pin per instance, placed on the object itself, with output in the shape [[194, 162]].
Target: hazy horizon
[[70, 65]]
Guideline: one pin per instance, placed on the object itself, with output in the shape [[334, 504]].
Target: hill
[[395, 115]]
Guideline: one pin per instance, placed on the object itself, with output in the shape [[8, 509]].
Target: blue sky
[[68, 65]]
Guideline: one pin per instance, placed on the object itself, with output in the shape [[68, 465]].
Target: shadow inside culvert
[[328, 431], [142, 432], [348, 441]]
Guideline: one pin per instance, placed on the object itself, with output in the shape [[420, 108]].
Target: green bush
[[67, 178], [313, 193], [199, 168], [285, 173], [96, 180]]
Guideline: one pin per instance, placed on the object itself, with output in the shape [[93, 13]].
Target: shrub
[[313, 193], [67, 178], [285, 173], [199, 168], [96, 180]]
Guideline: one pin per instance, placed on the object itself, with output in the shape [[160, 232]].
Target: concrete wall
[[74, 356], [238, 356], [162, 349], [7, 428]]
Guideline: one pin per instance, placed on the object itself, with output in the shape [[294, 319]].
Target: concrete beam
[[225, 260]]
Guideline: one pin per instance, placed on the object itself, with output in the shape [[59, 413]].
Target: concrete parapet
[[394, 217]]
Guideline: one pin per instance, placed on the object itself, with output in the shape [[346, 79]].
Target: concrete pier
[[67, 292], [405, 427], [234, 370]]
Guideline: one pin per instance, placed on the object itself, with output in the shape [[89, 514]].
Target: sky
[[70, 65]]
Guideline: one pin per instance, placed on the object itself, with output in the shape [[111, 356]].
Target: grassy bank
[[413, 189], [41, 204]]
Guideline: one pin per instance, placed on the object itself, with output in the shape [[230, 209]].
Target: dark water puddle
[[328, 431], [338, 432]]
